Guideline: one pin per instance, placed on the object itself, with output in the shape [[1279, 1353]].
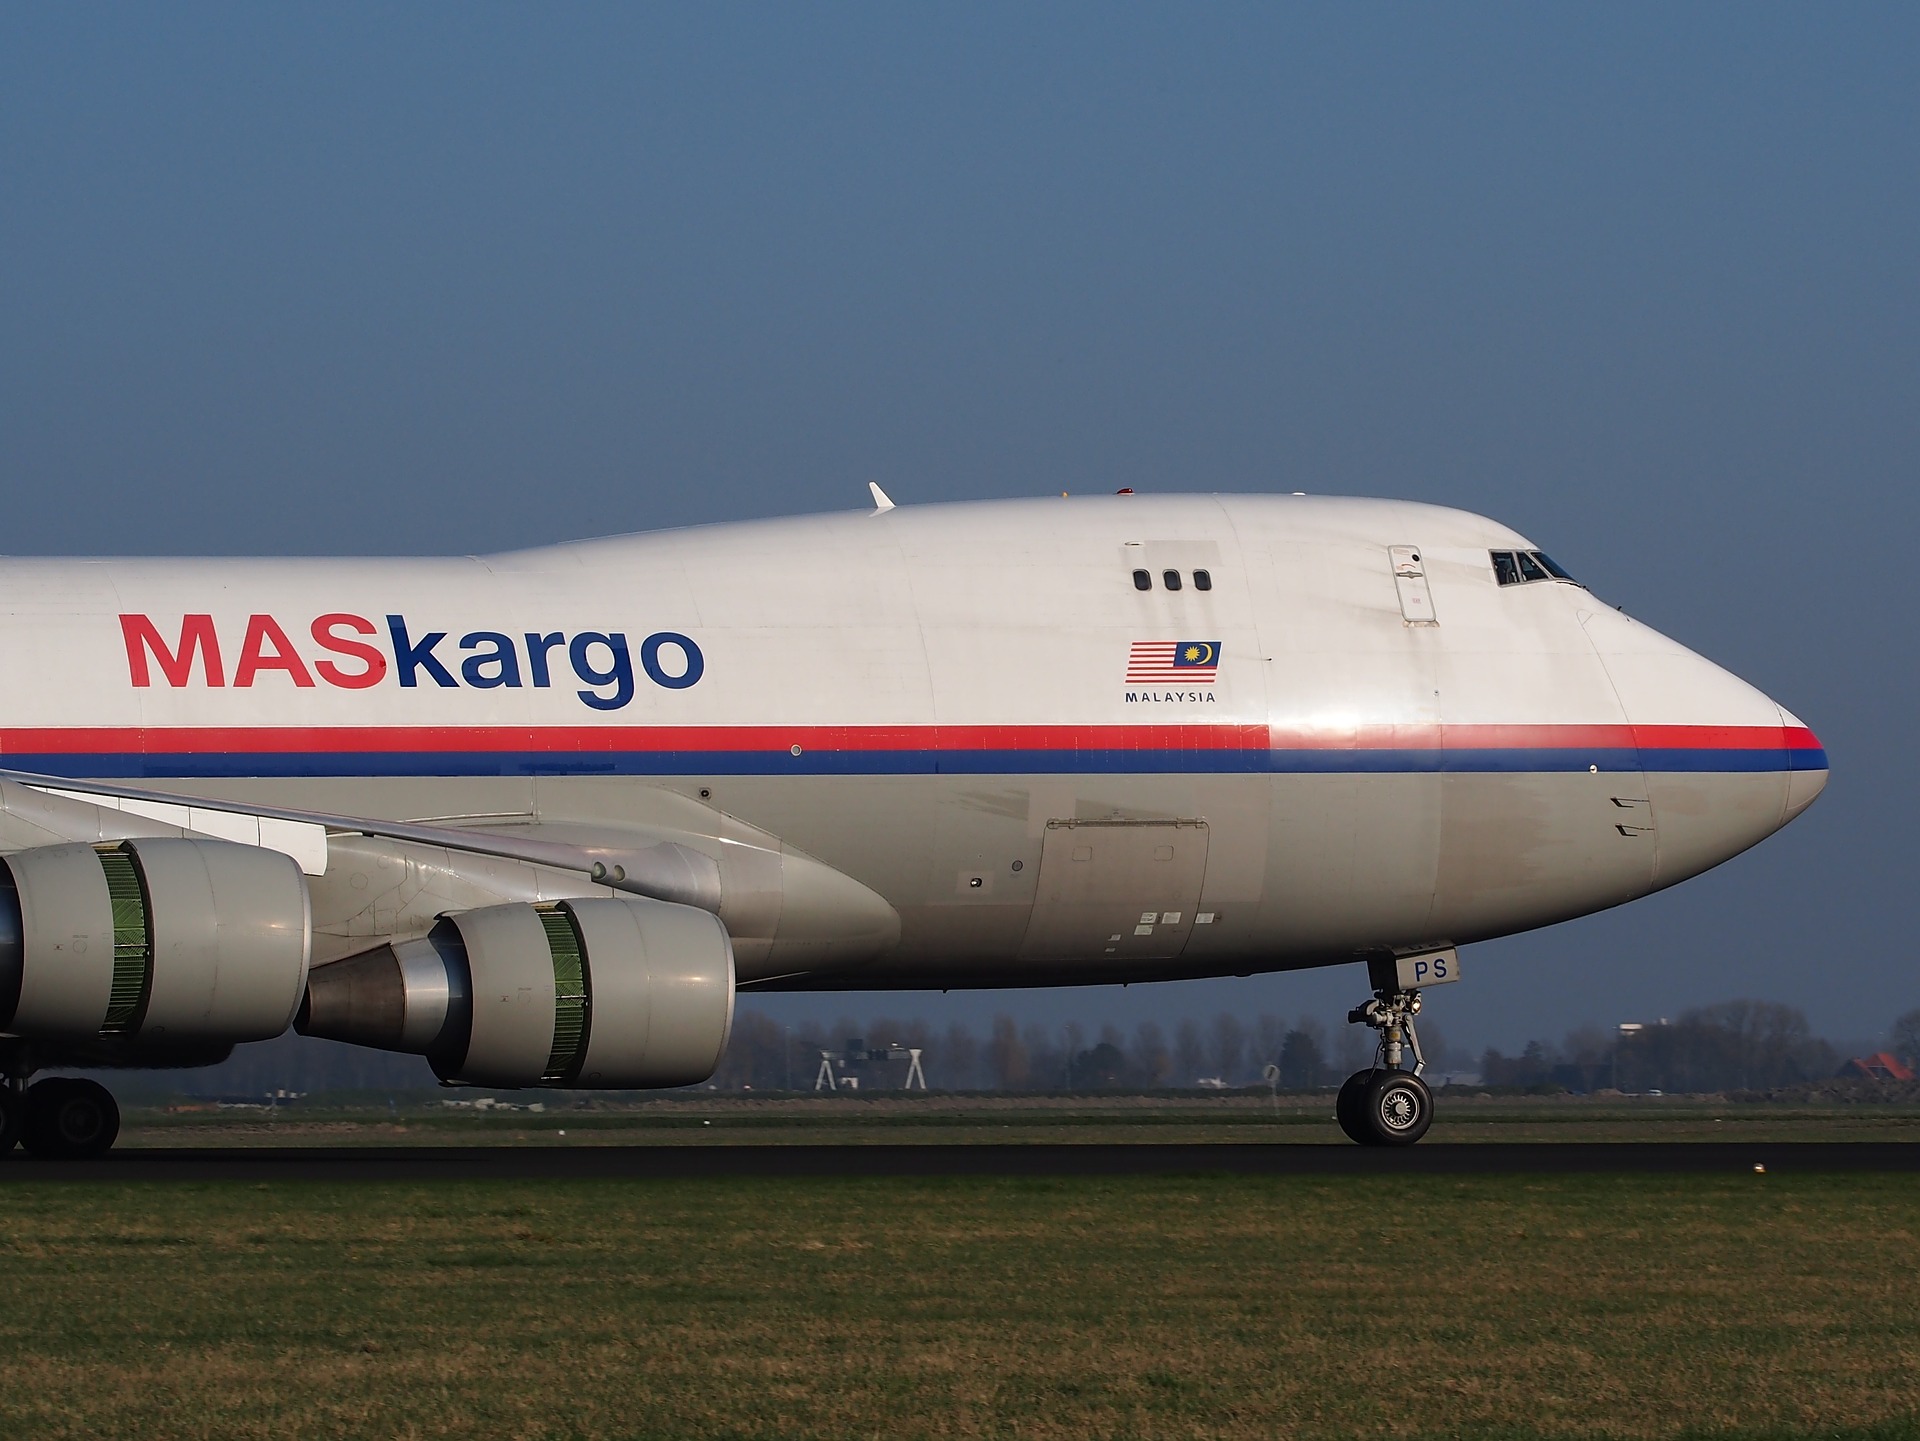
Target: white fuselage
[[1355, 740]]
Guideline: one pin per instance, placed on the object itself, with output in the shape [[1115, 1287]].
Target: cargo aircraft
[[541, 816]]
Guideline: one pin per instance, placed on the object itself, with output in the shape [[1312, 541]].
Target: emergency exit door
[[1410, 580], [1117, 890]]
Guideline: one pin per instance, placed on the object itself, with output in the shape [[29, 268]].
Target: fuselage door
[[1116, 891]]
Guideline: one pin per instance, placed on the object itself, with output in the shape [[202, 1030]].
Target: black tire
[[1349, 1107], [12, 1115], [69, 1119], [1398, 1108]]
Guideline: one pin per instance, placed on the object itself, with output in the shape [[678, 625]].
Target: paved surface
[[467, 1163]]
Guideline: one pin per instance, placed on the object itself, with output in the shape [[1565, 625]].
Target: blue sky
[[1639, 280]]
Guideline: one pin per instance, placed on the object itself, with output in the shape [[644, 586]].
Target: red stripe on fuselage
[[187, 740]]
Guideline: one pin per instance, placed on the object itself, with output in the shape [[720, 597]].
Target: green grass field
[[1177, 1307]]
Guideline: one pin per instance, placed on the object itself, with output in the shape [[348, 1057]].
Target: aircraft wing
[[376, 880]]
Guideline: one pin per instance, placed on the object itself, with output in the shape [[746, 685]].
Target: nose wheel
[[1384, 1108], [1385, 1105]]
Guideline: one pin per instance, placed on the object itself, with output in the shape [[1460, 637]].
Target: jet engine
[[161, 941], [589, 993]]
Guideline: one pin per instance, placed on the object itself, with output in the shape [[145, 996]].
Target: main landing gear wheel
[[11, 1109], [70, 1119]]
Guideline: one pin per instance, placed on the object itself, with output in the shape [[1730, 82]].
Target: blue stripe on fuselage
[[232, 765]]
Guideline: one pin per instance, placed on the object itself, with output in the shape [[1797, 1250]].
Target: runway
[[357, 1164]]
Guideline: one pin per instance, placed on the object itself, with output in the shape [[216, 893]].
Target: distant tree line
[[1736, 1045], [292, 1063], [1732, 1046], [1009, 1056]]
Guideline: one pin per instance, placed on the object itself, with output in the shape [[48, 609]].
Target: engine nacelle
[[164, 940], [616, 994]]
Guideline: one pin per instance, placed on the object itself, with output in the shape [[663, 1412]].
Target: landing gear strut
[[1386, 1105]]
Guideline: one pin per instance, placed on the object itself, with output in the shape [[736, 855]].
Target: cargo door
[[1117, 891]]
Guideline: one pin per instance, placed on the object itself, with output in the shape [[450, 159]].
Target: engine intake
[[164, 940], [614, 994]]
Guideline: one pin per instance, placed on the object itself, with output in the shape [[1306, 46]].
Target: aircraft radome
[[540, 817]]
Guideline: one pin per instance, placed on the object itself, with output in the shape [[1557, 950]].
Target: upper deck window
[[1173, 580], [1517, 567]]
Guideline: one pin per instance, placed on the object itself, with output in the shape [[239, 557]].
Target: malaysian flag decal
[[1190, 662]]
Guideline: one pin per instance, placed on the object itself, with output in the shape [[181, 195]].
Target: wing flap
[[304, 841]]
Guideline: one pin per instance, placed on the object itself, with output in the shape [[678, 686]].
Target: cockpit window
[[1517, 567]]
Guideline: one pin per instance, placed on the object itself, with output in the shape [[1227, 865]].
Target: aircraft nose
[[1806, 762], [1725, 765]]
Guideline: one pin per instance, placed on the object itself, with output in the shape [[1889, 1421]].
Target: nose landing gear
[[1385, 1105], [1384, 1108]]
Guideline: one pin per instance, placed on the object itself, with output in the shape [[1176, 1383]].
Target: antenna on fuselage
[[881, 500]]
